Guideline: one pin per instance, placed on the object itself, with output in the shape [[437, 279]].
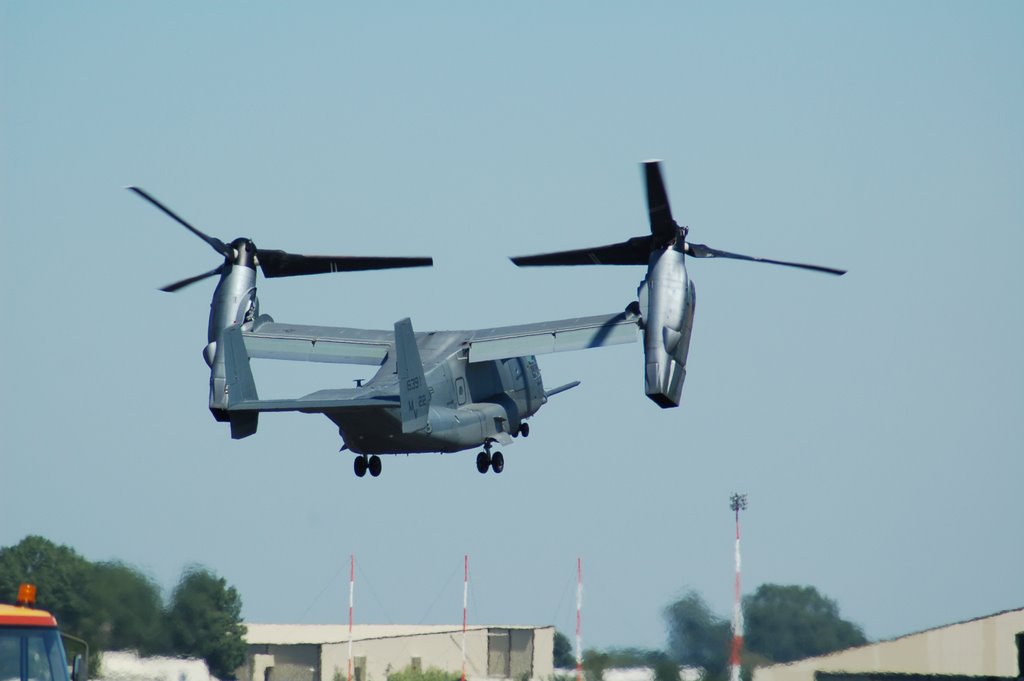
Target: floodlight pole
[[465, 599], [737, 502], [351, 593], [579, 621]]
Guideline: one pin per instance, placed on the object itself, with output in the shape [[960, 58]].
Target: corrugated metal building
[[319, 652], [987, 648]]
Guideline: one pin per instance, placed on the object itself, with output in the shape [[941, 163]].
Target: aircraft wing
[[297, 342], [232, 374], [302, 343], [562, 335]]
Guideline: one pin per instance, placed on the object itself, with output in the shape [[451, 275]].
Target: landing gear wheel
[[360, 466], [483, 462], [374, 465], [524, 430], [497, 462]]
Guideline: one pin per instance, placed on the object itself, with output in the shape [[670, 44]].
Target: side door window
[[38, 660]]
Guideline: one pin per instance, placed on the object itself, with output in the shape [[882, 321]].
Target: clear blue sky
[[876, 421]]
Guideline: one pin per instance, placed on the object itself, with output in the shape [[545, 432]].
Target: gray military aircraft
[[666, 297], [443, 391]]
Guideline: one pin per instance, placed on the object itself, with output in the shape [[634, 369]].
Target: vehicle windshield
[[32, 654]]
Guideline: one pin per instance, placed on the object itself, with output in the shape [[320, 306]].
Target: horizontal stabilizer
[[316, 403]]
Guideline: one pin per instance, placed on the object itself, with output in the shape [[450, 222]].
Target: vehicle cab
[[30, 643]]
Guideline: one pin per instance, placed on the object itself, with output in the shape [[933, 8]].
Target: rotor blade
[[171, 288], [702, 251], [283, 264], [214, 242], [663, 226], [636, 251]]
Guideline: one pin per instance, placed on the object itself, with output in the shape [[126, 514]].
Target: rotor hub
[[243, 253]]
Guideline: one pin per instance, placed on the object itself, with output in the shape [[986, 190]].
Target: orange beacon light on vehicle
[[27, 595]]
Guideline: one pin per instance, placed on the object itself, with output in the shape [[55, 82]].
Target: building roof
[[318, 634], [981, 646], [871, 644]]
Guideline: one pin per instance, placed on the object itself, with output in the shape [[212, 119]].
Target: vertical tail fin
[[412, 384], [231, 382]]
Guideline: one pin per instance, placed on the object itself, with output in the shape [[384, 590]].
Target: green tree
[[564, 655], [204, 620], [110, 605], [665, 668], [595, 662], [126, 610], [786, 623], [696, 636], [115, 607], [58, 573]]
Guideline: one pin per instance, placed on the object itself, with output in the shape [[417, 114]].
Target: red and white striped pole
[[465, 598], [351, 593], [579, 628], [738, 502]]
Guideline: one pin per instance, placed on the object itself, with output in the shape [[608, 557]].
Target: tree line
[[113, 606], [783, 623]]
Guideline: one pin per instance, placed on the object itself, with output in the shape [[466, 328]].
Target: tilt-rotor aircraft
[[443, 391], [666, 297]]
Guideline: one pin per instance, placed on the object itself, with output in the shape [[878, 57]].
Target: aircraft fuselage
[[470, 404]]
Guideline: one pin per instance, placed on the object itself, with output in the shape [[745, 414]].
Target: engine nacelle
[[234, 304], [667, 299]]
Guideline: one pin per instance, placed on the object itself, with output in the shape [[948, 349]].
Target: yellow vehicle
[[30, 643]]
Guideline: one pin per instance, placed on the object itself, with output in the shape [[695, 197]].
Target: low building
[[128, 666], [641, 674], [320, 652], [983, 649]]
